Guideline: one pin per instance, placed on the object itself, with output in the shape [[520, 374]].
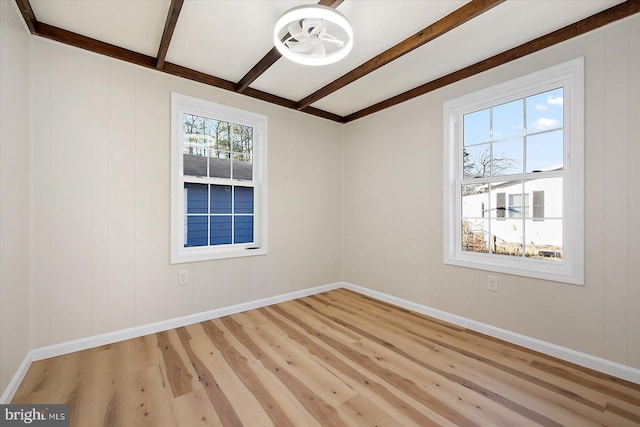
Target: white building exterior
[[511, 213]]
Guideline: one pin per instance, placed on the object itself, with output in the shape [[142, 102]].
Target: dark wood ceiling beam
[[287, 103], [263, 65], [197, 76], [87, 43], [27, 14], [271, 57], [615, 13], [169, 26], [433, 31], [97, 46], [330, 3]]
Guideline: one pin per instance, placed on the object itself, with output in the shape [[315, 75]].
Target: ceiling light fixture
[[313, 35]]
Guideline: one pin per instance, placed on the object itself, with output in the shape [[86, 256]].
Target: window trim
[[569, 75], [179, 254]]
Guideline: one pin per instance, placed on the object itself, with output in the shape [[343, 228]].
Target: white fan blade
[[329, 38], [319, 30], [295, 30], [319, 50], [310, 25], [300, 47]]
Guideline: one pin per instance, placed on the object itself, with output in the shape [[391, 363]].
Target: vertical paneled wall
[[101, 197], [15, 233], [84, 203], [393, 221]]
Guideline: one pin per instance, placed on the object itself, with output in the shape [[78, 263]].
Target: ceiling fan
[[310, 36], [317, 35]]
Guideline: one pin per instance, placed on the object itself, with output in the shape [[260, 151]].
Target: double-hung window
[[513, 163], [218, 178]]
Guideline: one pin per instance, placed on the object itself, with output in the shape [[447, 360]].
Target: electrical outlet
[[492, 283], [183, 277]]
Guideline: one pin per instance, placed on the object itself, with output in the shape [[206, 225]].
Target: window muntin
[[218, 181], [513, 165]]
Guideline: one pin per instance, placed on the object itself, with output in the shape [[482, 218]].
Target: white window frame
[[570, 76], [181, 104]]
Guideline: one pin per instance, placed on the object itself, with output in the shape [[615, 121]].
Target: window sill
[[208, 254], [532, 268]]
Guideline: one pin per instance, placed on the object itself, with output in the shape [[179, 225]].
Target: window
[[519, 205], [218, 181], [538, 205], [514, 176], [501, 205]]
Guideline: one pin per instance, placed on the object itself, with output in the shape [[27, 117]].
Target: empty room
[[319, 213]]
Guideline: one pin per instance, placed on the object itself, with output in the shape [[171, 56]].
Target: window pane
[[477, 127], [193, 125], [194, 135], [243, 202], [221, 132], [475, 200], [544, 239], [242, 167], [196, 231], [195, 146], [220, 199], [220, 164], [194, 164], [545, 151], [474, 235], [220, 230], [508, 120], [506, 237], [196, 199], [507, 157], [242, 138], [477, 161], [545, 111], [549, 192], [243, 229]]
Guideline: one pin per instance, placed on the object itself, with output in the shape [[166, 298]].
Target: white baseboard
[[599, 364], [152, 328], [583, 359], [13, 385]]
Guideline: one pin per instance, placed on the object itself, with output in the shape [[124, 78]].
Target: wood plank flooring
[[333, 359]]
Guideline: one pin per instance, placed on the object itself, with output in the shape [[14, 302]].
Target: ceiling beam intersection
[[272, 56], [83, 42], [27, 14], [169, 27], [427, 34]]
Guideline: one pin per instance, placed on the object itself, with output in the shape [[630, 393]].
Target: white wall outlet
[[183, 277], [492, 283]]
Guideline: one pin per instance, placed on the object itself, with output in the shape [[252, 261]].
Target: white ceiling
[[226, 38]]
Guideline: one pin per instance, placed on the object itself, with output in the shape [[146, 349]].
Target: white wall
[[14, 192], [101, 196], [393, 184]]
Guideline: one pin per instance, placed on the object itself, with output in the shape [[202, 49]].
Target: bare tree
[[483, 165]]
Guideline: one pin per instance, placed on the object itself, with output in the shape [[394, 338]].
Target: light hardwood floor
[[332, 359]]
